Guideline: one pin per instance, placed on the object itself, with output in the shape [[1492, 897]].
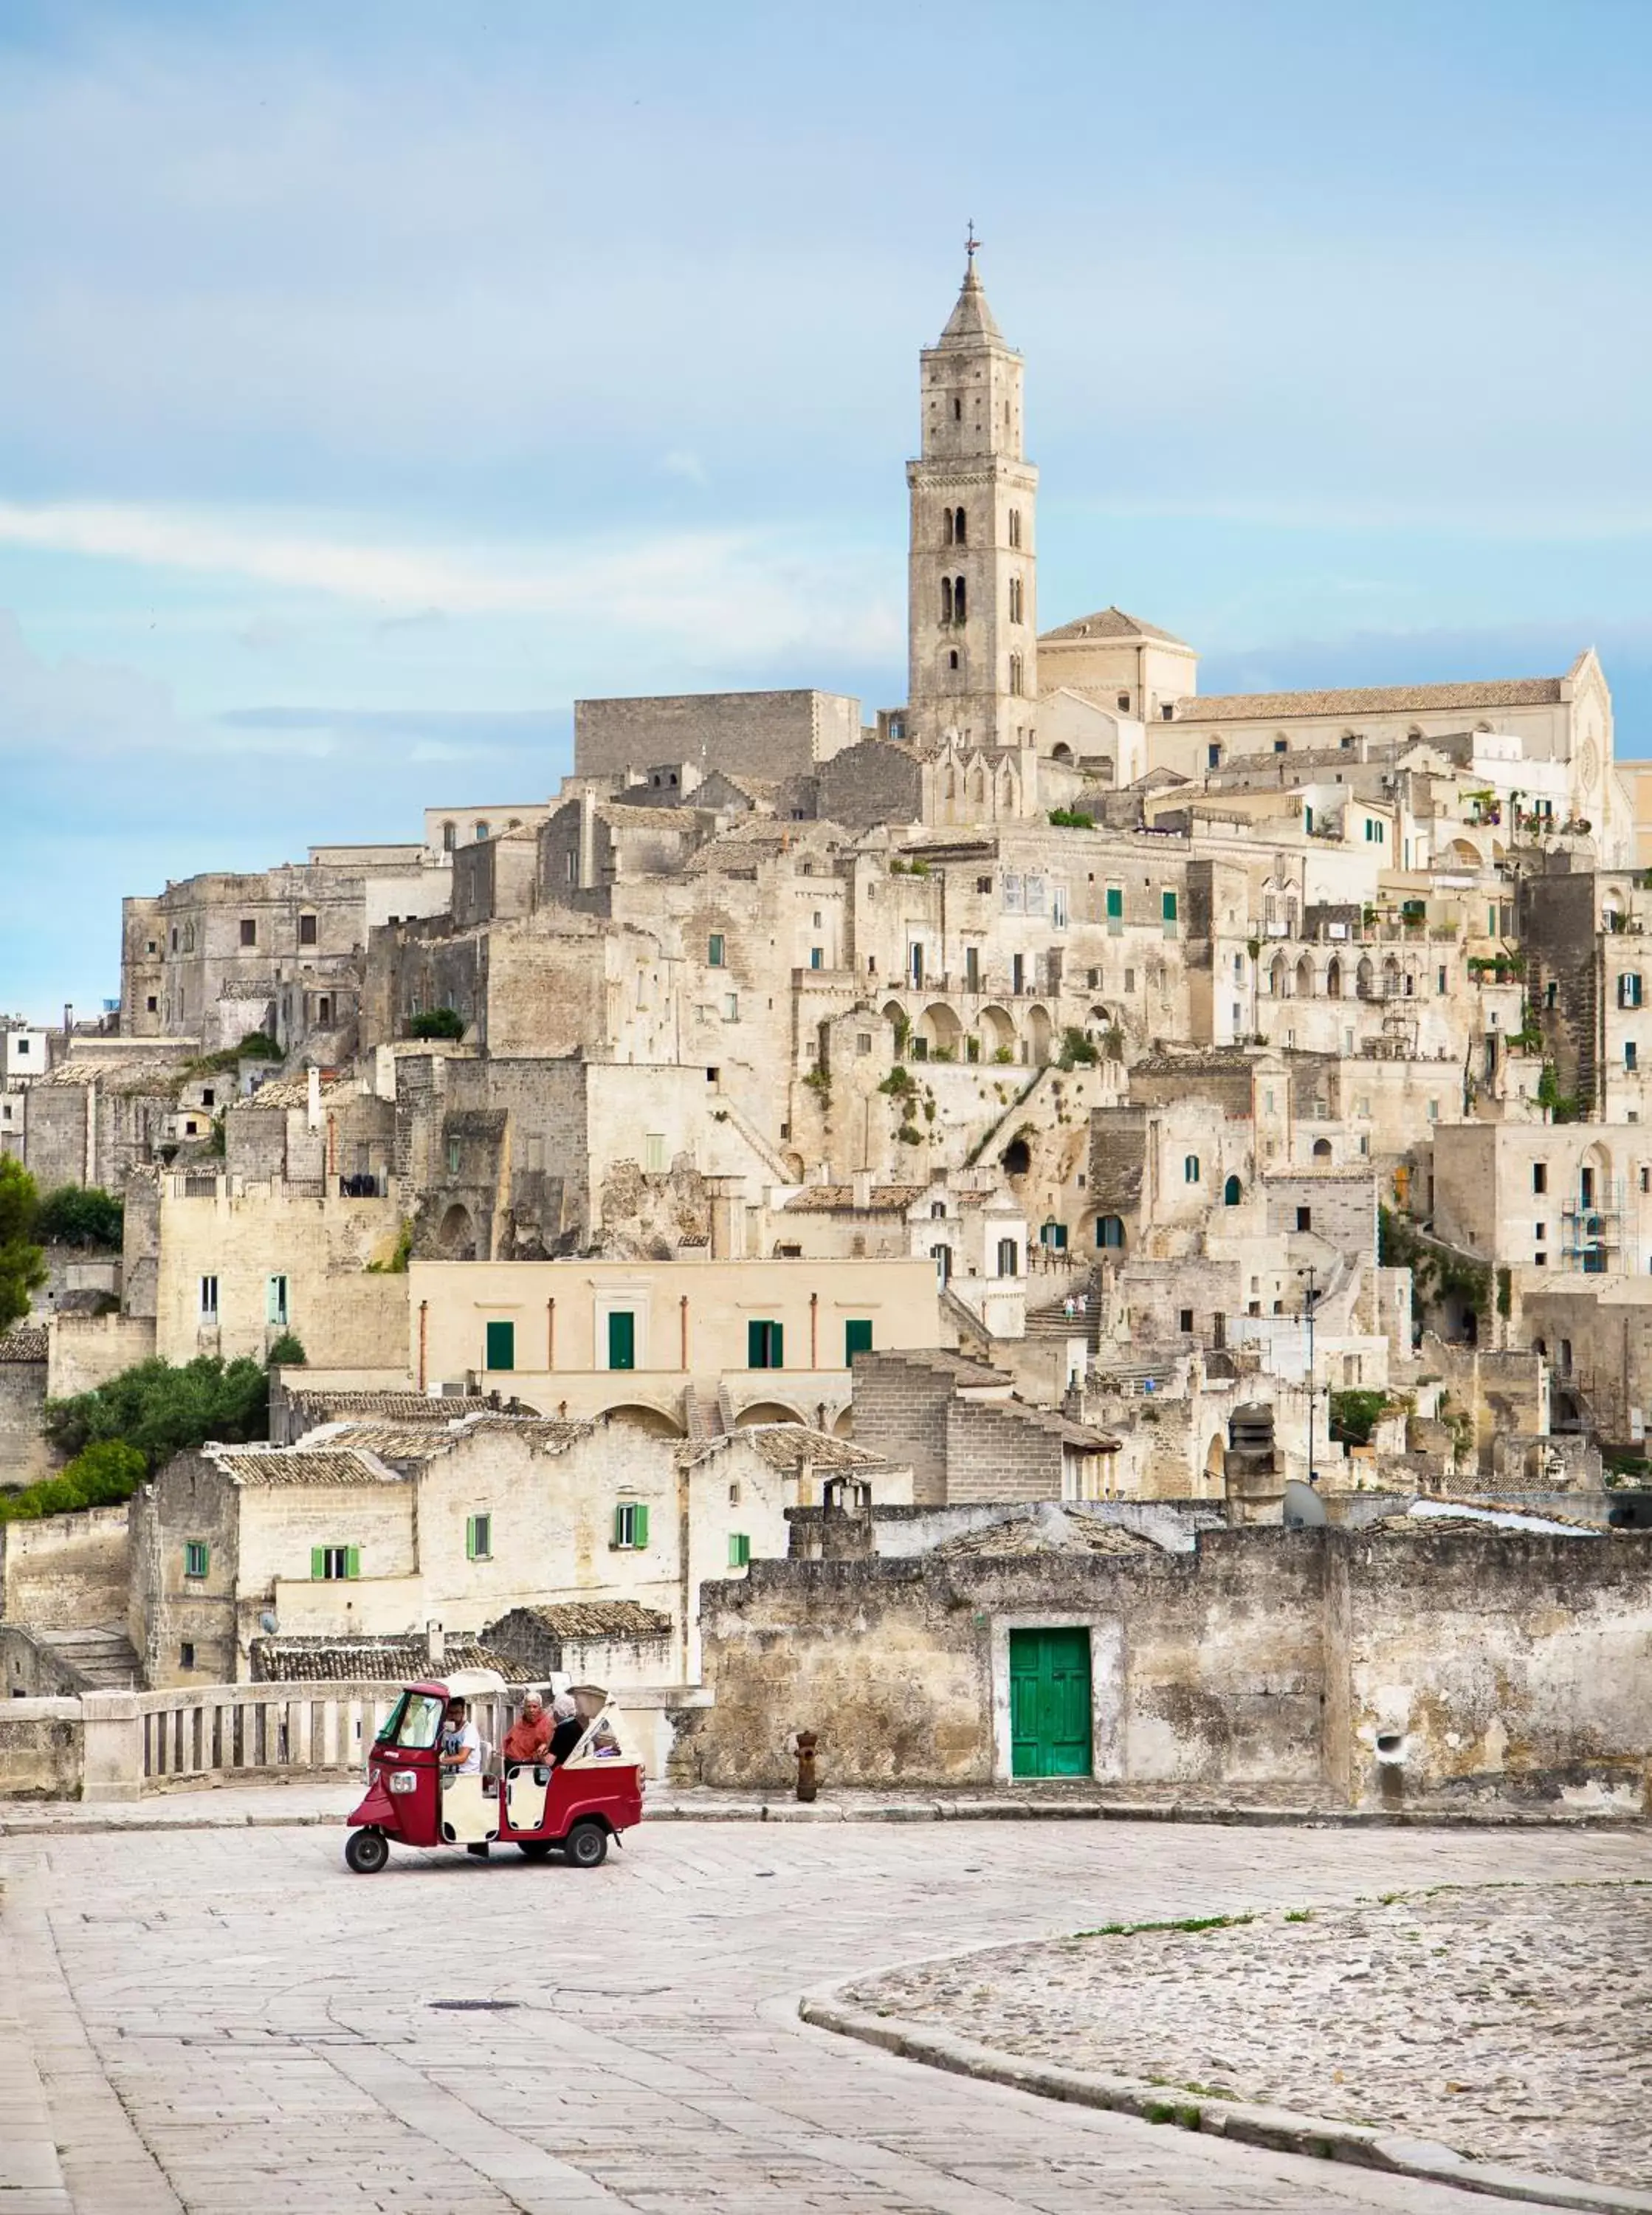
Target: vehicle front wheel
[[586, 1845], [535, 1848], [366, 1851]]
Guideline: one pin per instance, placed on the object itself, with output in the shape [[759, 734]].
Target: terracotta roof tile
[[24, 1342], [1109, 623], [1369, 700], [299, 1465]]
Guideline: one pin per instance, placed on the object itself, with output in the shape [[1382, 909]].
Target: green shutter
[[352, 1561], [501, 1345], [318, 1562], [1170, 907], [857, 1339], [470, 1537], [756, 1346], [622, 1340], [739, 1549], [640, 1525], [619, 1526], [1115, 903]]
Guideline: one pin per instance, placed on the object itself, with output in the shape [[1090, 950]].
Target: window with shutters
[[631, 1526], [1168, 904], [334, 1564], [501, 1346], [307, 928], [765, 1346], [739, 1549], [1190, 1169], [1628, 989], [714, 951], [275, 1299], [479, 1537], [198, 1557], [208, 1299], [653, 1152], [857, 1337]]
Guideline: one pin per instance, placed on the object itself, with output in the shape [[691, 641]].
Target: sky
[[377, 380]]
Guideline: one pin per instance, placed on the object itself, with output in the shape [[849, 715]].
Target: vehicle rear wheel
[[366, 1851], [535, 1848], [586, 1845]]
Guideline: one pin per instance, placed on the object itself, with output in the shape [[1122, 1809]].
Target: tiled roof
[[403, 1407], [601, 1618], [24, 1342], [294, 1092], [1370, 700], [400, 1442], [299, 1465], [885, 1199], [372, 1660], [1050, 1529], [789, 1446], [1109, 623]]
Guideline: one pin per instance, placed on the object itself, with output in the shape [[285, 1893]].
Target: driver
[[462, 1742], [529, 1737]]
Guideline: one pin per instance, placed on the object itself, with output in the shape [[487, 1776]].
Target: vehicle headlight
[[402, 1780]]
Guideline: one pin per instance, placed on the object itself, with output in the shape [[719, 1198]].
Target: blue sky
[[377, 380]]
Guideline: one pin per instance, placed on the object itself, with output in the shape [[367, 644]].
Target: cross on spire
[[971, 243]]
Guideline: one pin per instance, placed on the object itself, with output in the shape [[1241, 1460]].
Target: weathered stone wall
[[767, 733], [1343, 1210], [871, 783], [65, 1572], [24, 1454], [88, 1350], [1417, 1669], [900, 1412], [1000, 1450], [40, 1749]]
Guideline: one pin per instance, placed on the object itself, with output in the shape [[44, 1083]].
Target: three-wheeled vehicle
[[577, 1803]]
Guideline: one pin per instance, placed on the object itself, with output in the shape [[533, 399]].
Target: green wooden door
[[621, 1339], [501, 1345], [1050, 1702]]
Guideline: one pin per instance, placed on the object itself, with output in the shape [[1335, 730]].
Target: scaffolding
[[1592, 1226]]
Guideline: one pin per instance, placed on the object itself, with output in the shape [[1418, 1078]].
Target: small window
[[765, 1345], [1190, 1169], [1539, 1176], [1304, 1219], [730, 1007], [479, 1538], [248, 930], [307, 929], [501, 1346], [187, 1654], [1629, 1054], [275, 1299], [1109, 1231], [1009, 1258], [714, 958], [1184, 1321], [1168, 904], [453, 1157], [208, 1299], [653, 1152], [481, 833], [857, 1331], [631, 1526], [1434, 1111], [1115, 903], [209, 1097], [739, 1549], [151, 1006], [1213, 756], [450, 837], [198, 1558], [1628, 989], [333, 1565], [816, 957], [1282, 746]]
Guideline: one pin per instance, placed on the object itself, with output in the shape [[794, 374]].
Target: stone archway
[[456, 1234], [1038, 1035], [997, 1034]]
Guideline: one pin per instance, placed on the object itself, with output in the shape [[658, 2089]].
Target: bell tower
[[971, 605]]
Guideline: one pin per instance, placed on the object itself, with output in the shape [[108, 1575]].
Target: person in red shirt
[[529, 1737]]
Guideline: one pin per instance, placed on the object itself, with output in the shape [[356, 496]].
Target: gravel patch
[[1513, 2021]]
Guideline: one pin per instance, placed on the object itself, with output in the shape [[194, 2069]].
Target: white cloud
[[679, 462]]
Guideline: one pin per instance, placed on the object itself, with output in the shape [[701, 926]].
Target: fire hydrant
[[806, 1742]]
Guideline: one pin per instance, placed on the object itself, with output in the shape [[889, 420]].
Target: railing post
[[111, 1747]]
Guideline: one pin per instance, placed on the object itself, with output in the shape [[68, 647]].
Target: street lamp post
[[1311, 1294]]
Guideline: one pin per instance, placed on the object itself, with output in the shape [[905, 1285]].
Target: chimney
[[861, 1182], [436, 1644], [314, 1100]]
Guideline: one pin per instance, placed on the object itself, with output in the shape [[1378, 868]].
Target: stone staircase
[[104, 1660], [1050, 1320]]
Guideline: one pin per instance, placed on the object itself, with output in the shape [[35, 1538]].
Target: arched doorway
[[997, 1034], [941, 1031], [1334, 979], [1322, 1149], [1305, 978], [1215, 1467], [1016, 1158], [1232, 1193], [456, 1235], [1109, 1233], [654, 1422], [1038, 1035], [766, 1411], [1279, 978]]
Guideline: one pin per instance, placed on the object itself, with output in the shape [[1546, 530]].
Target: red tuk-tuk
[[577, 1804]]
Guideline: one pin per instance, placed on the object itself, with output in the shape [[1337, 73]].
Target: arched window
[[1334, 979], [1009, 1258], [1322, 1149], [957, 410], [1232, 1193], [958, 599], [1305, 978], [1015, 674], [946, 527], [961, 527], [449, 836], [946, 600], [1015, 600], [1190, 1169], [1109, 1230], [1015, 526], [952, 659], [481, 832]]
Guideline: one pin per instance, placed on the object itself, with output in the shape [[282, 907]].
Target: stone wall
[[767, 733], [24, 1454], [40, 1749], [1422, 1669], [871, 783], [65, 1572], [87, 1351]]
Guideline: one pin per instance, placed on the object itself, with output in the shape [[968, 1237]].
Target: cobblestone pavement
[[227, 2019], [1506, 2020]]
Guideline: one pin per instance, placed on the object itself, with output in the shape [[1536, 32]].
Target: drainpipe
[[814, 1329], [423, 1340], [550, 1332], [682, 1333]]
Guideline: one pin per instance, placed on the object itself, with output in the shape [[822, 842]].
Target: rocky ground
[[1509, 2020]]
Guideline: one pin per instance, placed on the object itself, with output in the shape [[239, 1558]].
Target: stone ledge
[[1278, 2129]]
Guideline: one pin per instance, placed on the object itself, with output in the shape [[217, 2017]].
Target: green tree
[[439, 1023], [81, 1215], [22, 1265], [160, 1410], [102, 1477], [287, 1352]]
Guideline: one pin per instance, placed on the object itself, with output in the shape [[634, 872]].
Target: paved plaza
[[225, 2020]]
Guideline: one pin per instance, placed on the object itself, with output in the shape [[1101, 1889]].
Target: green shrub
[[1071, 818], [1354, 1415], [22, 1264], [436, 1023], [160, 1410], [102, 1477], [80, 1215], [287, 1352]]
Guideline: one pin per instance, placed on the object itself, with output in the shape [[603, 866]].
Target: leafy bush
[[437, 1023], [160, 1410], [1077, 1051], [102, 1477], [1071, 818], [397, 1264], [1354, 1415], [22, 1265], [80, 1215], [287, 1352]]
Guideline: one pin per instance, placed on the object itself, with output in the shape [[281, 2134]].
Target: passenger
[[462, 1742], [529, 1737], [569, 1728]]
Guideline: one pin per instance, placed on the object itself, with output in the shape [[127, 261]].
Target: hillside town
[[1068, 1226]]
